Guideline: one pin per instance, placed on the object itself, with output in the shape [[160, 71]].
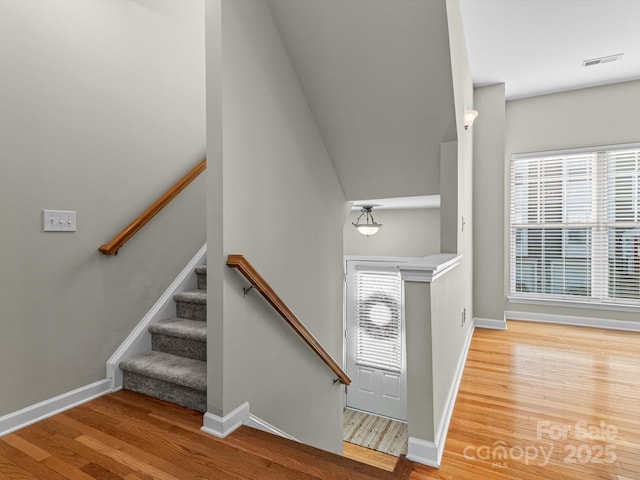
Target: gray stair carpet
[[175, 369], [180, 336]]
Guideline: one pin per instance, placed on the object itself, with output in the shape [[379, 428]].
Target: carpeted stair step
[[191, 305], [201, 272], [168, 377], [181, 337]]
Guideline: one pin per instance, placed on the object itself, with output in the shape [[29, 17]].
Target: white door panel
[[375, 340]]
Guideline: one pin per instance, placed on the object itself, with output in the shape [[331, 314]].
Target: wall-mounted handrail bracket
[[246, 290], [250, 273], [336, 380]]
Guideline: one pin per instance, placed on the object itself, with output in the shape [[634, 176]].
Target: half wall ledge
[[429, 268]]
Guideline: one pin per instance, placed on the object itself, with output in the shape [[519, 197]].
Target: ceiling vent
[[598, 61]]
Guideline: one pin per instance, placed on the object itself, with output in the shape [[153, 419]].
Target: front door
[[375, 339]]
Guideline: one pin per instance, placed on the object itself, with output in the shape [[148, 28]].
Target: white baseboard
[[423, 451], [222, 426], [260, 424], [490, 323], [574, 320], [430, 453], [139, 340], [22, 418]]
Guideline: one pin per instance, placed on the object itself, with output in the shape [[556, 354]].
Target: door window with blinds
[[575, 226], [378, 321]]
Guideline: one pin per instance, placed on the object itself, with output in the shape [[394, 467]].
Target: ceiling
[[377, 77], [537, 47]]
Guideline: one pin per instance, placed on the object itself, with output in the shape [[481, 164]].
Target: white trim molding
[[429, 268], [593, 305], [430, 453], [139, 340], [610, 324], [257, 422], [490, 323], [27, 416], [423, 451], [223, 426]]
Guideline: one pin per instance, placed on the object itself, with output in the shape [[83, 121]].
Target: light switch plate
[[59, 221]]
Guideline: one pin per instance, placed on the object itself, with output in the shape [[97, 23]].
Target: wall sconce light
[[370, 227], [469, 117]]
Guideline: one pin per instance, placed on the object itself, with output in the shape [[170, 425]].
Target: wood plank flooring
[[370, 457], [563, 402], [129, 436]]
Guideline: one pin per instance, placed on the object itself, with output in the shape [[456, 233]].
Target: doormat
[[378, 433]]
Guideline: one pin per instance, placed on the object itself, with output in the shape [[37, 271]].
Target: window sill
[[616, 307]]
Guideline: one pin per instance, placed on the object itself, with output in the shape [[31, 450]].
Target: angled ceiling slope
[[377, 76]]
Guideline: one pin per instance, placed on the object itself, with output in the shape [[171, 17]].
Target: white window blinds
[[378, 327], [575, 226]]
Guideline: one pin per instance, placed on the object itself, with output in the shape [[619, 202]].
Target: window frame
[[600, 223]]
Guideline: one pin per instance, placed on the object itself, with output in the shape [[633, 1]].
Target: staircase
[[175, 369]]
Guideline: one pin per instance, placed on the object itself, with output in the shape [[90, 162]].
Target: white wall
[[282, 208], [488, 201], [102, 110], [404, 233], [581, 118]]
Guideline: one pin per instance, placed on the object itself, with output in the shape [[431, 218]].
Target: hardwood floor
[[370, 457], [563, 402], [130, 436]]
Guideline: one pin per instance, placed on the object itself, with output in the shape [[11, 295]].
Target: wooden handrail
[[121, 238], [241, 263]]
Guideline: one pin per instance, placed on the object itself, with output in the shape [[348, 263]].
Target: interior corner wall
[[449, 198], [404, 233], [216, 262], [580, 118], [102, 111], [459, 180], [488, 202], [284, 210]]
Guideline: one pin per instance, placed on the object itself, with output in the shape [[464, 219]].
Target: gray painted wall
[[419, 340], [488, 201], [581, 118], [448, 336], [462, 295], [438, 318], [404, 233], [216, 267], [435, 344], [282, 208], [102, 110]]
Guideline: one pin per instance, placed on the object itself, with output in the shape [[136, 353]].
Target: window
[[575, 226], [379, 337]]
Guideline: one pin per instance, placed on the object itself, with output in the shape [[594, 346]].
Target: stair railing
[[112, 247], [257, 282]]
